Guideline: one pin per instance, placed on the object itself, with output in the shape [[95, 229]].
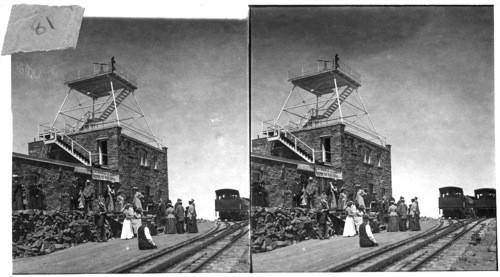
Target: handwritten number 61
[[41, 29]]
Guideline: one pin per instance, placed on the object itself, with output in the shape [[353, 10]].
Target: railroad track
[[411, 254], [196, 250]]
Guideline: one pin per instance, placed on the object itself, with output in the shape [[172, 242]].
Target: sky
[[193, 89], [427, 80]]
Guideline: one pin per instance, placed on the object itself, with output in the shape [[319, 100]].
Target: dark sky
[[193, 90], [427, 80]]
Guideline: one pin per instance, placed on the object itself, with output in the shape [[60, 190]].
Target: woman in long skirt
[[413, 217], [393, 218], [170, 224], [127, 232], [191, 218], [349, 229]]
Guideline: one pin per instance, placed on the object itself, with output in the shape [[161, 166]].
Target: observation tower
[[100, 96], [321, 96]]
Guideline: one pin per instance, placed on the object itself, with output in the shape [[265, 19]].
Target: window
[[366, 152], [103, 152], [156, 162], [34, 178], [379, 160], [256, 175], [143, 157], [370, 189], [326, 149]]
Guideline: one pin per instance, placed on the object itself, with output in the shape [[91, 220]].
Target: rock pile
[[36, 232], [279, 227]]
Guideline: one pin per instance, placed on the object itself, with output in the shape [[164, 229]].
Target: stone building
[[96, 146], [324, 144]]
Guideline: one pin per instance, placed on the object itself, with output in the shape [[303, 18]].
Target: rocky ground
[[481, 256]]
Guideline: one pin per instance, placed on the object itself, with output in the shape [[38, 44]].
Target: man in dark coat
[[17, 194], [88, 193], [74, 195], [296, 192], [101, 220], [403, 215], [144, 238], [179, 215], [366, 238]]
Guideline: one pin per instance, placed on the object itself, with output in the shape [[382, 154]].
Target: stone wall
[[54, 177], [278, 178], [133, 174], [346, 156]]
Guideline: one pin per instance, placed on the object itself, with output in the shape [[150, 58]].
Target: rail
[[99, 69], [50, 132], [322, 66]]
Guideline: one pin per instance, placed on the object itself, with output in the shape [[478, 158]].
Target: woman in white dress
[[349, 229], [127, 232]]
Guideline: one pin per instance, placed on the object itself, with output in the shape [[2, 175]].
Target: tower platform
[[94, 81], [317, 78]]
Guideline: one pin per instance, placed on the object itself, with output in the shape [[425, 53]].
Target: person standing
[[349, 228], [332, 196], [417, 215], [137, 220], [42, 203], [358, 217], [88, 193], [144, 239], [296, 192], [342, 199], [337, 61], [412, 214], [170, 225], [359, 196], [179, 216], [191, 218], [403, 215], [137, 200], [311, 191], [393, 217], [127, 232], [17, 196], [81, 200], [113, 68], [120, 201], [110, 198], [101, 215], [74, 195], [366, 238], [160, 213], [322, 217]]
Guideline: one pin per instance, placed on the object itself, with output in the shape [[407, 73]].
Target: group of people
[[175, 218], [24, 198], [402, 217]]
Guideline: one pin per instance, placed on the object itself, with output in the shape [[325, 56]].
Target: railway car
[[485, 202], [230, 205], [455, 204]]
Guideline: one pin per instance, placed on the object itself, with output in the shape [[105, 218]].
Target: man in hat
[[403, 214], [322, 217], [311, 190], [144, 238], [180, 216], [366, 238], [101, 220], [88, 193]]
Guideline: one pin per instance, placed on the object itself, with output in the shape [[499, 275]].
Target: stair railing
[[55, 133], [277, 130]]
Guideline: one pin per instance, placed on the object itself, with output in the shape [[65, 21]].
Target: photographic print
[[372, 133], [130, 151]]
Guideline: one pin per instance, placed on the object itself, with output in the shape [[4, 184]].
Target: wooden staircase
[[293, 143], [335, 105], [111, 108], [53, 136]]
